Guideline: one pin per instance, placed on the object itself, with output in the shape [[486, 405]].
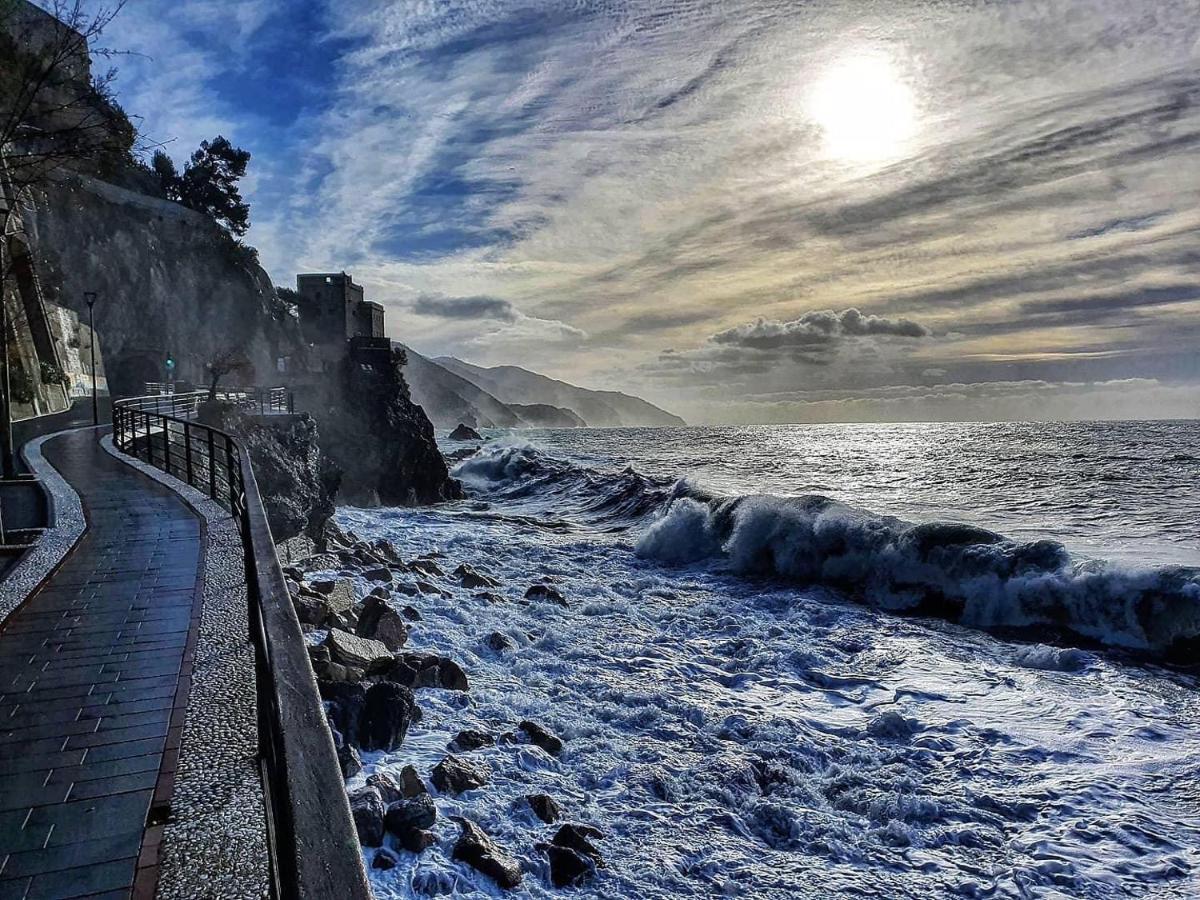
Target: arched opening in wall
[[129, 373]]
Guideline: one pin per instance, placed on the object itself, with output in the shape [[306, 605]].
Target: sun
[[864, 108]]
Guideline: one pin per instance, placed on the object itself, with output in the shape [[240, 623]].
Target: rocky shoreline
[[359, 604]]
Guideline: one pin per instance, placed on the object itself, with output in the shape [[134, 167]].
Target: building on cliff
[[337, 320]]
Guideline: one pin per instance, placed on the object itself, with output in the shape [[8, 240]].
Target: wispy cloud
[[639, 193]]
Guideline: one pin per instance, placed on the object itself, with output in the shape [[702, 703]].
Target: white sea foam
[[738, 727]]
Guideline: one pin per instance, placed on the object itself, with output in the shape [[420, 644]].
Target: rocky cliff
[[172, 284], [169, 282], [379, 437]]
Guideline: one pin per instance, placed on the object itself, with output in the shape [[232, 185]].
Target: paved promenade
[[95, 670]]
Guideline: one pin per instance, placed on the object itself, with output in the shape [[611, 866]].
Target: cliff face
[[297, 480], [169, 283], [380, 438]]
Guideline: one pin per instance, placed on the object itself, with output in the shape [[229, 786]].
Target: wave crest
[[958, 572]]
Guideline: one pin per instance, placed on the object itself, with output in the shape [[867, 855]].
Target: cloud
[[465, 308], [677, 190], [817, 329]]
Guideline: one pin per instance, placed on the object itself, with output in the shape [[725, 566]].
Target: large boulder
[[465, 432], [544, 807], [373, 657], [471, 739], [428, 670], [387, 712], [567, 867], [368, 810], [454, 775], [407, 815], [578, 838], [389, 788], [478, 850], [379, 622], [344, 702], [471, 578], [543, 738], [411, 783], [545, 593]]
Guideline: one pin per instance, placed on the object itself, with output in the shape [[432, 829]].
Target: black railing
[[313, 845], [266, 401]]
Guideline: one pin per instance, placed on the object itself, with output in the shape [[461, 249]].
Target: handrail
[[313, 845], [270, 401]]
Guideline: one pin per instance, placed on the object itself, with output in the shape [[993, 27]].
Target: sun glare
[[864, 109]]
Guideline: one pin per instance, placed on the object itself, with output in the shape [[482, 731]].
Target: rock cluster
[[370, 678]]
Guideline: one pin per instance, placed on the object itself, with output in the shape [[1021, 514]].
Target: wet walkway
[[94, 675]]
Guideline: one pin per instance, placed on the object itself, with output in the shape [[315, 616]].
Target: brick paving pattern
[[94, 675]]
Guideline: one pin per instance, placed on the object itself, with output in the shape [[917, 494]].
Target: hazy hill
[[512, 384], [542, 415], [449, 398]]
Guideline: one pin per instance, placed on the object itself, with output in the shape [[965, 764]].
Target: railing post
[[212, 466], [229, 473], [187, 452]]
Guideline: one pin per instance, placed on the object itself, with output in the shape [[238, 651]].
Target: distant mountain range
[[452, 391]]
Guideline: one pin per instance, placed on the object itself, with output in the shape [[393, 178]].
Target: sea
[[902, 660]]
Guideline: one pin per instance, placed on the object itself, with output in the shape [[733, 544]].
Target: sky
[[756, 211]]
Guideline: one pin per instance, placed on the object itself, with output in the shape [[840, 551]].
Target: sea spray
[[956, 571], [959, 572]]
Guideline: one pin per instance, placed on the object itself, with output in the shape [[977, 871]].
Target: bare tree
[[54, 114], [230, 361]]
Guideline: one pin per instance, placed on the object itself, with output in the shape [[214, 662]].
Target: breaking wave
[[614, 501], [953, 571]]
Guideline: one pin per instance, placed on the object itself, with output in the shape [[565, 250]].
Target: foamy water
[[746, 729]]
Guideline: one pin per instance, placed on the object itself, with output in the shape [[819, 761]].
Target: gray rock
[[454, 775], [410, 815], [471, 578], [366, 806], [540, 737], [386, 715], [577, 838], [416, 840], [350, 650], [427, 567], [389, 788], [380, 622], [471, 739], [339, 595], [411, 783], [349, 761], [568, 867], [500, 642], [310, 610], [478, 850], [418, 670], [385, 859], [378, 574], [544, 807], [411, 613], [545, 593]]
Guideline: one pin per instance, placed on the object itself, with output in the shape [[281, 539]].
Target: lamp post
[[89, 297]]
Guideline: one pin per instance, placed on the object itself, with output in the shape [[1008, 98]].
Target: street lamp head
[[89, 298]]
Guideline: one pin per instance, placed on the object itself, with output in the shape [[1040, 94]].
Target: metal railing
[[265, 401], [313, 846]]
